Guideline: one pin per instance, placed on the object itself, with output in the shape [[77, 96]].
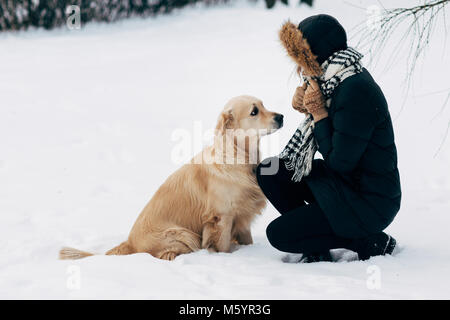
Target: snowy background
[[86, 124]]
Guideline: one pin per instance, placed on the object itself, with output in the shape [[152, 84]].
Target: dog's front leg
[[216, 235], [244, 237], [208, 235], [223, 243]]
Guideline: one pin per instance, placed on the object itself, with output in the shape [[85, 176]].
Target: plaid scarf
[[299, 152]]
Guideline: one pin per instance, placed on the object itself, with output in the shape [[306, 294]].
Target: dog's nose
[[278, 119]]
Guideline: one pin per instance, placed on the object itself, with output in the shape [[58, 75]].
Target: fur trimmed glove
[[314, 102]]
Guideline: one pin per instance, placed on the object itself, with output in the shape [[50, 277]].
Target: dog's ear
[[225, 121], [299, 50]]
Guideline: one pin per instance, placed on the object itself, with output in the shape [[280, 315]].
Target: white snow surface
[[86, 125]]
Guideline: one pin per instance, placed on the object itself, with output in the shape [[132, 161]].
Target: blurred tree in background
[[22, 14], [271, 3]]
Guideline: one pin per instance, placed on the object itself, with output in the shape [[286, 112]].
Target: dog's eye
[[254, 111]]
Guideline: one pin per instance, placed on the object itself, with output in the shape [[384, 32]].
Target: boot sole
[[390, 246]]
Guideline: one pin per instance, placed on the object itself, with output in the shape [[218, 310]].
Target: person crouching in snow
[[347, 199]]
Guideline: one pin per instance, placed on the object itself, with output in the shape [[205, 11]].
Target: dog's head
[[248, 114]]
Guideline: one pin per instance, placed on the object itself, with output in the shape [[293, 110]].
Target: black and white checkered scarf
[[299, 152]]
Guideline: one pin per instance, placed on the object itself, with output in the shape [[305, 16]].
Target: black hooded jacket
[[357, 183]]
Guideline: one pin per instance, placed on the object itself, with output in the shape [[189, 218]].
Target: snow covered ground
[[86, 124]]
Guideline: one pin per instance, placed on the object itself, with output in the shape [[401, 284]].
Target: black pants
[[302, 226]]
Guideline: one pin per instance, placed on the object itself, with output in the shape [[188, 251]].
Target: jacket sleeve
[[343, 138]]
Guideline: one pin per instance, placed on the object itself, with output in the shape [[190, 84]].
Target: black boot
[[316, 257], [378, 244]]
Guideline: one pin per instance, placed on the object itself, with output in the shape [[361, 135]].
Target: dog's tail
[[67, 253]]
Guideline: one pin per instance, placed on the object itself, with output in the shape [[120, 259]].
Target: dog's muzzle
[[278, 118]]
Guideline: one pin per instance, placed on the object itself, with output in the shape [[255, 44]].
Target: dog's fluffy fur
[[206, 203], [299, 50]]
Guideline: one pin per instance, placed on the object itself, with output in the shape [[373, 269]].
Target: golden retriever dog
[[210, 202]]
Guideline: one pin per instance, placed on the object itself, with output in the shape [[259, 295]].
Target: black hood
[[324, 34]]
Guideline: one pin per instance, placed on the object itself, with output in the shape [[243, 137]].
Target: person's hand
[[297, 99], [314, 101]]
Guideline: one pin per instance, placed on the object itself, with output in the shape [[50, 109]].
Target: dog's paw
[[168, 255]]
